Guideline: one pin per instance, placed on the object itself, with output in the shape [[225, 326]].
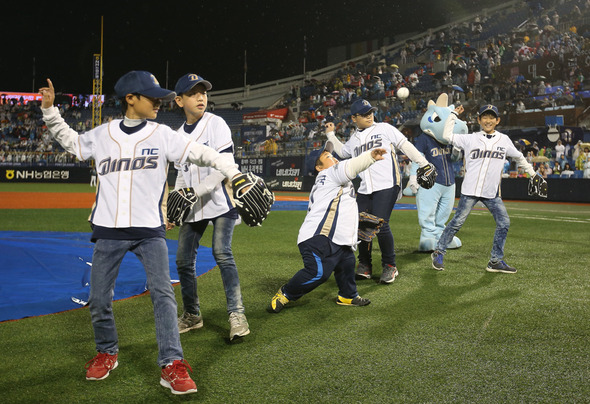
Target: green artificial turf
[[460, 335]]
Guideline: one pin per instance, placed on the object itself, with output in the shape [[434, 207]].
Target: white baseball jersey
[[385, 173], [484, 161], [332, 210], [132, 166], [211, 130]]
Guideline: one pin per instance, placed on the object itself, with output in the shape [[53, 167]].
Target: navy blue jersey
[[438, 155]]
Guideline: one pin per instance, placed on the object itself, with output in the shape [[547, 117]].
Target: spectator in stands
[[556, 168], [582, 159], [577, 151], [567, 171], [559, 149], [548, 170]]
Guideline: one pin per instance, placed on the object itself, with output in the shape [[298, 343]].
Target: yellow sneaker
[[357, 301], [278, 301]]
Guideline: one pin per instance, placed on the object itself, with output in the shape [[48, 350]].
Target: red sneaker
[[100, 366], [176, 378]]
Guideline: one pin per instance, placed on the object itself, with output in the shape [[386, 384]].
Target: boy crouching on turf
[[329, 234]]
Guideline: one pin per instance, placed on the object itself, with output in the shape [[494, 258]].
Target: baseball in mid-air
[[403, 93]]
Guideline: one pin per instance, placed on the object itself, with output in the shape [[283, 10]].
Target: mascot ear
[[430, 102], [442, 100]]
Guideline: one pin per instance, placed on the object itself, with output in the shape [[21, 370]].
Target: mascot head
[[433, 121]]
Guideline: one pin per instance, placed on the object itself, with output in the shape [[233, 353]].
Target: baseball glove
[[538, 186], [252, 197], [426, 176], [179, 205], [369, 226]]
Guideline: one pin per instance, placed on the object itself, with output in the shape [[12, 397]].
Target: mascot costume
[[436, 204]]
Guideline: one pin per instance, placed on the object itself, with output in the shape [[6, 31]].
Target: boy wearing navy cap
[[131, 157], [380, 186], [485, 153], [213, 206]]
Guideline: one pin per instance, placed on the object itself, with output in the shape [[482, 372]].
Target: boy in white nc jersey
[[213, 206], [329, 234], [485, 154], [131, 157], [380, 185]]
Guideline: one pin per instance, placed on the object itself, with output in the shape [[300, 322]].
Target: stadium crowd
[[459, 59]]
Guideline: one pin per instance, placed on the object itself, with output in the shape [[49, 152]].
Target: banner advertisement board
[[45, 174]]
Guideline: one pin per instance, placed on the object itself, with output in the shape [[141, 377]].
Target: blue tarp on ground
[[48, 272]]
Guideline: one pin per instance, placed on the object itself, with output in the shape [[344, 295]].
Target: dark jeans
[[380, 204], [321, 257]]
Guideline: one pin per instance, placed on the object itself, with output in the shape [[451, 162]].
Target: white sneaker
[[238, 325], [189, 321]]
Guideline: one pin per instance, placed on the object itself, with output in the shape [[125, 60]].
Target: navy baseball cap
[[141, 82], [361, 107], [188, 81], [489, 108]]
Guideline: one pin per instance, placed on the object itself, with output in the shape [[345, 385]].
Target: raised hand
[[48, 94]]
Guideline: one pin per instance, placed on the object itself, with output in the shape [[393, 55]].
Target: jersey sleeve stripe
[[327, 226]]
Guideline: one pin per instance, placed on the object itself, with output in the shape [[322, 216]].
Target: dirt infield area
[[46, 200], [71, 200]]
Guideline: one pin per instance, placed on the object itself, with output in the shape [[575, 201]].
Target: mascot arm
[[335, 142], [456, 154], [413, 168], [413, 180]]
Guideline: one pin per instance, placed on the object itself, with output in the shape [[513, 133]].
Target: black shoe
[[500, 266], [363, 271]]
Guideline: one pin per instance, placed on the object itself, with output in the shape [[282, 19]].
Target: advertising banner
[[44, 174]]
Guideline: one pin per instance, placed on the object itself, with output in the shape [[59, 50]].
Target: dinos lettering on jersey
[[374, 142], [439, 151], [147, 161], [499, 153]]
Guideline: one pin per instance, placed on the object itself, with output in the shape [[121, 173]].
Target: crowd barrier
[[294, 174]]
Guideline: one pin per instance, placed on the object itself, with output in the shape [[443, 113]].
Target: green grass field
[[461, 335]]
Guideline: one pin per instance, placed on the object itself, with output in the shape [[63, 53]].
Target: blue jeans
[[498, 211], [106, 261], [189, 237], [380, 204]]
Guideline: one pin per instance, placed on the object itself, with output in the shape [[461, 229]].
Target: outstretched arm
[[204, 156], [360, 163]]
